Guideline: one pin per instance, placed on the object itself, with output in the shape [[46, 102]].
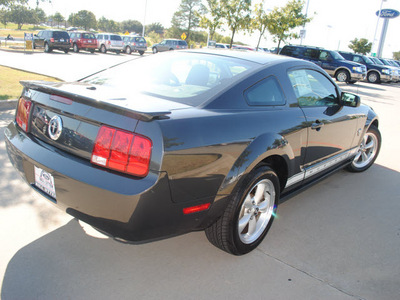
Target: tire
[[141, 52], [117, 52], [342, 76], [91, 51], [249, 213], [75, 48], [66, 51], [373, 77], [367, 152], [154, 50], [103, 49], [47, 48], [128, 50]]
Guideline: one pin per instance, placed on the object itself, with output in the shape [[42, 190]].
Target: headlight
[[386, 71], [357, 69]]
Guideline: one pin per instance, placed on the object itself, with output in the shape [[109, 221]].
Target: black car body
[[52, 39], [331, 61], [181, 150], [375, 73]]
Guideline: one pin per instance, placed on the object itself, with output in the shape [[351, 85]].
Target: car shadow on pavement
[[69, 264]]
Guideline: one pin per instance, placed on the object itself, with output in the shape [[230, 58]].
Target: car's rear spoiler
[[50, 88]]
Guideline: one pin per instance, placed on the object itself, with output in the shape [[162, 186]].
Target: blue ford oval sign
[[388, 13]]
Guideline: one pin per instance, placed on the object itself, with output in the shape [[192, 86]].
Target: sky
[[334, 23]]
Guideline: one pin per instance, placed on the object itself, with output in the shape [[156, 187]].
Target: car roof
[[253, 56]]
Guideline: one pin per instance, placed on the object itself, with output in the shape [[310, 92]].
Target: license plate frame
[[45, 182]]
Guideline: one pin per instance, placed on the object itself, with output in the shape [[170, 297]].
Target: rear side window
[[267, 92], [311, 53], [291, 51], [182, 43]]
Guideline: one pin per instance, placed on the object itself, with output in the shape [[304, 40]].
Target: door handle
[[317, 125]]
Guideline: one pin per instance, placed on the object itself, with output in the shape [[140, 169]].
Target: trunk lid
[[78, 110]]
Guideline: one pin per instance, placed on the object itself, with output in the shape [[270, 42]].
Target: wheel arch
[[342, 69], [269, 149]]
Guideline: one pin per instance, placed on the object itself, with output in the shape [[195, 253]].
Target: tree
[[83, 18], [58, 18], [260, 21], [396, 55], [108, 25], [236, 13], [21, 15], [4, 16], [285, 19], [187, 17], [213, 21], [361, 46], [131, 26], [9, 3], [40, 15], [155, 27]]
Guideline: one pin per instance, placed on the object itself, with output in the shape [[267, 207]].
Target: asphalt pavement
[[339, 239]]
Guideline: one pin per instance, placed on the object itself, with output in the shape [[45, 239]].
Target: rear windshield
[[60, 35], [189, 78], [88, 36], [140, 40], [115, 38]]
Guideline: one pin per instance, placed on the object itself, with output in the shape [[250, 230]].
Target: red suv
[[83, 41]]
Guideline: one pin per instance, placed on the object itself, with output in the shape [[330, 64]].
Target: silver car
[[109, 42], [169, 44]]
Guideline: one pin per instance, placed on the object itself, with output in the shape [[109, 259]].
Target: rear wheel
[[141, 52], [155, 50], [76, 48], [367, 152], [249, 214], [47, 48], [128, 50], [66, 51], [91, 51], [103, 49]]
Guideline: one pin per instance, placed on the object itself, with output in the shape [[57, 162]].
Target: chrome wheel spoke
[[252, 226], [370, 145], [243, 222], [259, 196], [264, 206], [357, 156]]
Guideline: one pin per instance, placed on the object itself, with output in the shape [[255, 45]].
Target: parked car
[[375, 73], [192, 140], [223, 46], [109, 42], [134, 44], [169, 44], [52, 39], [394, 72], [331, 61], [83, 41], [396, 69]]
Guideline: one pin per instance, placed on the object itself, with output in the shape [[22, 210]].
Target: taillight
[[122, 151], [52, 40], [23, 112]]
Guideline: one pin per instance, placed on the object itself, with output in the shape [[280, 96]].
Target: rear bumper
[[136, 210]]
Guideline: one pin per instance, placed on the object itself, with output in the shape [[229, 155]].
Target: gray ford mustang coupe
[[190, 140]]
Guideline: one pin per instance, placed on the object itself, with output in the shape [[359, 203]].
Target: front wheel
[[373, 77], [249, 214], [154, 50], [47, 48], [367, 152], [342, 76]]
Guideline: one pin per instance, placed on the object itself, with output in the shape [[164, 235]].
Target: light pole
[[303, 31], [144, 20]]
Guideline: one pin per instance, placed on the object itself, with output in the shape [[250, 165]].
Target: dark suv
[[52, 39], [375, 73], [170, 44], [331, 61]]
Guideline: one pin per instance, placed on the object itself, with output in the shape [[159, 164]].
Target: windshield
[[377, 61], [367, 60], [189, 78], [336, 55]]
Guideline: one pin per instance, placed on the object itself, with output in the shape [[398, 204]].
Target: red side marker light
[[23, 112], [197, 208]]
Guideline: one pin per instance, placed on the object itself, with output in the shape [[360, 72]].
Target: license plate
[[61, 40], [89, 41], [45, 181]]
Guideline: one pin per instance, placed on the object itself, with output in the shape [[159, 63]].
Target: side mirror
[[350, 100]]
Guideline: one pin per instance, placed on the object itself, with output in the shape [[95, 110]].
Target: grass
[[10, 88]]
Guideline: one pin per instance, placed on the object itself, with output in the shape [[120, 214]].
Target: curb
[[8, 104]]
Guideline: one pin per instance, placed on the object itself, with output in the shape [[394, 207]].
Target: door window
[[312, 88]]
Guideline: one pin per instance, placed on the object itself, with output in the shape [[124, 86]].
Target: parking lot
[[339, 239]]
